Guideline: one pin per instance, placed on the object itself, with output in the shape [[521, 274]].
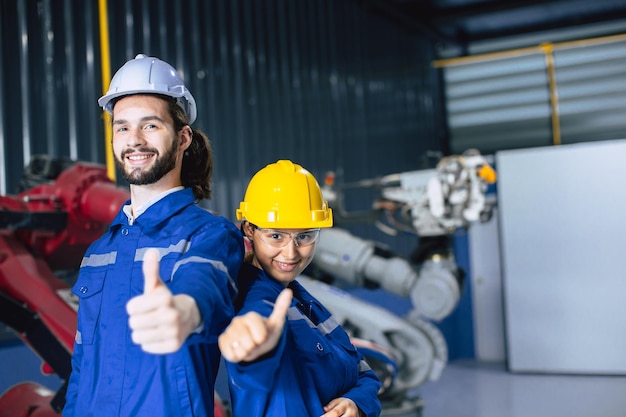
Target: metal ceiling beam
[[453, 24], [398, 15]]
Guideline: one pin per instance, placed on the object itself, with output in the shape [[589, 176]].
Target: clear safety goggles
[[280, 239]]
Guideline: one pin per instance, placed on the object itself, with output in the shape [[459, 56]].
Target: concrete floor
[[465, 389], [470, 389]]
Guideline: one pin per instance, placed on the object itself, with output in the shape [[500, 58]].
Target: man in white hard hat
[[156, 290]]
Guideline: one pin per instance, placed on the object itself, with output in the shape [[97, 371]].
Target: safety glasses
[[280, 239]]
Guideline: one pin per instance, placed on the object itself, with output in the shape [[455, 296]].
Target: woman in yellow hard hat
[[285, 353]]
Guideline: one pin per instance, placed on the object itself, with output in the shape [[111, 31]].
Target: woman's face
[[283, 263]]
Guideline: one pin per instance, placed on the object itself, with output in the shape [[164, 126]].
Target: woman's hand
[[250, 336], [341, 406]]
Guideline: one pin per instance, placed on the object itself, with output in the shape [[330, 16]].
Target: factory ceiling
[[461, 22]]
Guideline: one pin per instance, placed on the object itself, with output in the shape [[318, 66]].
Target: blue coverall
[[313, 363], [201, 254]]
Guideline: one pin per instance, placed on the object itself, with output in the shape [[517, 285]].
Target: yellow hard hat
[[283, 195]]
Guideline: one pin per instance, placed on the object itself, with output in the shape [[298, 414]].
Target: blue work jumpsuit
[[201, 254], [313, 363]]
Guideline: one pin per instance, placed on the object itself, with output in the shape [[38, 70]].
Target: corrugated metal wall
[[318, 81], [506, 100]]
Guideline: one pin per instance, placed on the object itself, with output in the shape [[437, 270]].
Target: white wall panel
[[563, 224], [487, 304]]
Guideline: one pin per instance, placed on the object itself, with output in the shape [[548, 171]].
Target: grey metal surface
[[561, 213]]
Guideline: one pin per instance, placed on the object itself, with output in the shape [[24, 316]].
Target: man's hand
[[160, 322], [252, 335]]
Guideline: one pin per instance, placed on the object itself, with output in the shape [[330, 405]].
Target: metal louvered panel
[[592, 92], [498, 104], [503, 102]]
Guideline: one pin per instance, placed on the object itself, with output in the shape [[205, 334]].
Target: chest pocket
[[318, 361], [88, 289], [308, 339]]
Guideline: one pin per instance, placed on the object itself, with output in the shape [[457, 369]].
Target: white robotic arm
[[440, 200], [417, 347], [433, 288], [431, 204]]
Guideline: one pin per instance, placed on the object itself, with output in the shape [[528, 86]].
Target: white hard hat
[[149, 75]]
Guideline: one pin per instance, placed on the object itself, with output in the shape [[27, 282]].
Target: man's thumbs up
[[151, 276], [159, 321]]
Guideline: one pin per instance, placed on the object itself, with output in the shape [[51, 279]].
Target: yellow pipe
[[105, 58], [554, 99], [441, 63]]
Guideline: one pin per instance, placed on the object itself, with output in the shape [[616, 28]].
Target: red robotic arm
[[48, 228], [43, 231]]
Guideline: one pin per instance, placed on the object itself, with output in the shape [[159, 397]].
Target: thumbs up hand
[[159, 321], [252, 335], [151, 278]]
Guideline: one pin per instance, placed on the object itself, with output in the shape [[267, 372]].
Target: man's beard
[[162, 165]]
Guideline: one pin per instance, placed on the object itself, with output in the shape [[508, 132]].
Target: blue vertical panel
[[458, 327], [12, 163], [72, 80], [3, 140], [91, 146], [26, 36], [49, 78]]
